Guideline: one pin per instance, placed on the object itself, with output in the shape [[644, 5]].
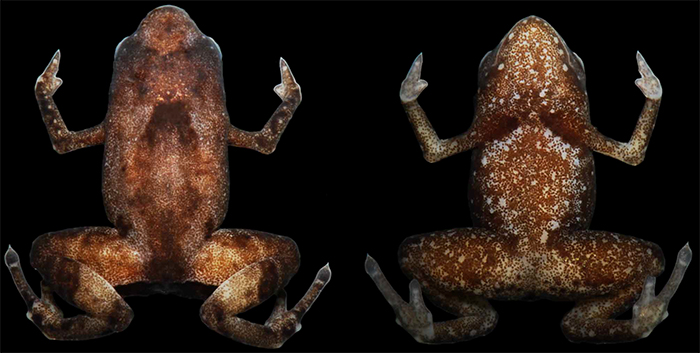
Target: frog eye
[[482, 59], [119, 46], [218, 48], [580, 62], [580, 71]]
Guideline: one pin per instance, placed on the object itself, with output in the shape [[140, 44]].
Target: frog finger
[[416, 67], [649, 84], [412, 85], [48, 83], [288, 84]]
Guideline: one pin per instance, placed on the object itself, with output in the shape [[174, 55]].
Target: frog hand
[[648, 83], [48, 83], [289, 88], [412, 86]]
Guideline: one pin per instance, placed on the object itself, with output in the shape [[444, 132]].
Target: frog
[[531, 194], [166, 188]]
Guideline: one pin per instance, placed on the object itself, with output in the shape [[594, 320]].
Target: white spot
[[543, 92], [565, 68], [502, 202], [500, 66], [543, 238], [554, 225], [473, 332], [516, 96], [483, 160], [501, 101], [561, 52], [511, 36], [556, 40]]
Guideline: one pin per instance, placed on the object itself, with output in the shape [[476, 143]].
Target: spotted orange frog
[[531, 195]]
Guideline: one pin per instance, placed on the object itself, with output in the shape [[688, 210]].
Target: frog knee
[[287, 248], [41, 250], [409, 250], [288, 255], [655, 259], [120, 317]]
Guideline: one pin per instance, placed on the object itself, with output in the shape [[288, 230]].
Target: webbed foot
[[413, 316], [650, 310]]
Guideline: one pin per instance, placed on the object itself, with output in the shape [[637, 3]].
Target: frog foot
[[648, 83], [412, 86], [650, 310], [289, 85], [413, 316], [48, 83]]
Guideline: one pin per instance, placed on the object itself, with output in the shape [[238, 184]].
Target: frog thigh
[[586, 263], [469, 260]]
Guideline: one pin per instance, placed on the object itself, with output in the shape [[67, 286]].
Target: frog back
[[166, 142]]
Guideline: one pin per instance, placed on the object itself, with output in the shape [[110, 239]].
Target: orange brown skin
[[166, 190], [531, 196]]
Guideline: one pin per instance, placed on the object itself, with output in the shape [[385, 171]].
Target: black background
[[348, 177]]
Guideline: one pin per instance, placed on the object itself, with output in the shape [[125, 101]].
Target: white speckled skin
[[166, 190], [531, 196]]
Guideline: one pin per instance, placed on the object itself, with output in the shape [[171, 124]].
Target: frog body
[[166, 190], [531, 197]]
